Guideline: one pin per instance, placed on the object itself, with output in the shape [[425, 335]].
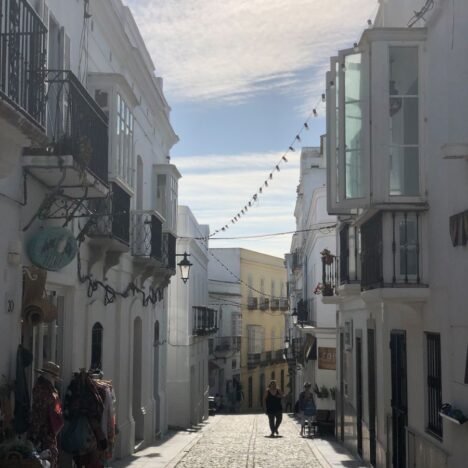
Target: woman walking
[[273, 407]]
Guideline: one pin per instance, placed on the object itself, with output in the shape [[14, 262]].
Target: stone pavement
[[241, 440]]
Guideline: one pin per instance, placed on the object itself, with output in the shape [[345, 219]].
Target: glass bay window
[[374, 121]]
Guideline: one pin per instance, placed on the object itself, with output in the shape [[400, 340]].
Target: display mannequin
[[46, 417]]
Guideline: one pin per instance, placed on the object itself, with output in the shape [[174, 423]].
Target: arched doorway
[[137, 381]]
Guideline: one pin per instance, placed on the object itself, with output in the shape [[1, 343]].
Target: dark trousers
[[275, 420]]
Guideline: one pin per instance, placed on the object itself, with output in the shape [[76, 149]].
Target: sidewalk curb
[[179, 457], [318, 454]]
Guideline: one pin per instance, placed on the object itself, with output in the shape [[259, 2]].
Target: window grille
[[434, 384], [96, 346]]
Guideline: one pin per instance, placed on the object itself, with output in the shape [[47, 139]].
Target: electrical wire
[[276, 168], [326, 228]]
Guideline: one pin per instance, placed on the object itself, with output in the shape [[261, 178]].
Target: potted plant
[[327, 257]]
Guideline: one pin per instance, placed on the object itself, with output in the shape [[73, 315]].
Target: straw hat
[[50, 368]]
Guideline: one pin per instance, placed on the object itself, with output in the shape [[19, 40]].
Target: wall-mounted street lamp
[[184, 265], [286, 343], [294, 316]]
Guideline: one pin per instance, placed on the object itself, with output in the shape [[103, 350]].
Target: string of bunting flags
[[277, 168]]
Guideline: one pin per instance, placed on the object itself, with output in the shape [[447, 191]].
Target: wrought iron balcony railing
[[391, 250], [75, 124], [350, 257], [275, 304], [146, 234], [113, 216], [253, 359], [205, 321], [330, 272], [23, 39]]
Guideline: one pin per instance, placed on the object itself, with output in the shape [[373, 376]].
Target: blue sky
[[241, 77]]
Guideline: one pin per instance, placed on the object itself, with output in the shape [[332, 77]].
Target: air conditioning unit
[[252, 303]]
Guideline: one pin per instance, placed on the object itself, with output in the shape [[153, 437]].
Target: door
[[359, 394], [137, 380], [371, 390], [342, 416], [399, 397]]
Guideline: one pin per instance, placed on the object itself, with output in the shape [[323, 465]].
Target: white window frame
[[361, 202]]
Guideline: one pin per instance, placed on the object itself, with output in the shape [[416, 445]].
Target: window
[[233, 364], [434, 384], [236, 324], [404, 121], [409, 245], [96, 346], [250, 392], [272, 375], [124, 142], [282, 380], [353, 125], [255, 337], [165, 184]]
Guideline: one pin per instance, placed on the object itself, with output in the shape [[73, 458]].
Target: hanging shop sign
[[327, 358], [52, 248]]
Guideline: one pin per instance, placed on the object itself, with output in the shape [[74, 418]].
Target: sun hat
[[50, 368]]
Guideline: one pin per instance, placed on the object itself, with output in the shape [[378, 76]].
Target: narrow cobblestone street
[[237, 441]]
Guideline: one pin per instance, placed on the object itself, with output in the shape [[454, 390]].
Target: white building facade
[[316, 325], [225, 345], [190, 324], [91, 196], [397, 179]]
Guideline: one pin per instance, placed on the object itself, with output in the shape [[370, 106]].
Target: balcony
[[205, 321], [76, 159], [223, 344], [112, 228], [23, 39], [306, 313], [252, 303], [264, 303], [350, 256], [253, 360], [283, 304], [391, 250], [296, 260], [330, 271], [275, 304]]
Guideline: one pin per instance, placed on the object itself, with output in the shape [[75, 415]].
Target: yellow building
[[249, 290], [264, 304]]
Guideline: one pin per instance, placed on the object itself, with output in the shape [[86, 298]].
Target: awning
[[310, 348]]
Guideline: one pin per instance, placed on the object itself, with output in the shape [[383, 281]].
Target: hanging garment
[[108, 421], [22, 414], [83, 400], [46, 418]]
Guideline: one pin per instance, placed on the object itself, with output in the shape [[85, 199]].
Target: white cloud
[[231, 49], [226, 184]]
